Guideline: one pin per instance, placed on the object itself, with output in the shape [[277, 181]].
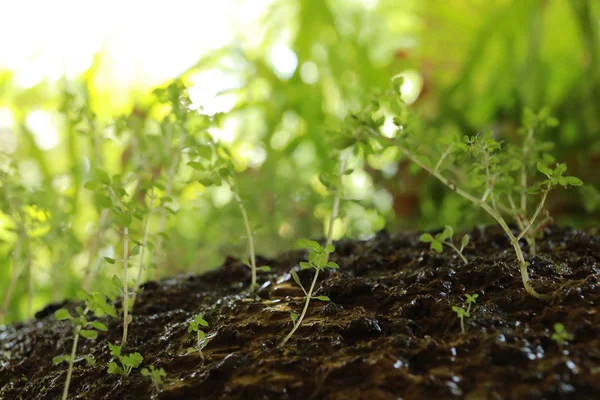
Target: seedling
[[215, 163], [96, 303], [479, 169], [110, 193], [462, 313], [445, 238], [156, 375], [127, 363], [318, 258], [560, 335], [201, 340]]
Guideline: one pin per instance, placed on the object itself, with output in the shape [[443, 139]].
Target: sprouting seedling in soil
[[445, 238], [156, 374], [462, 313], [127, 362], [560, 335], [479, 169], [318, 258], [215, 163], [196, 325], [110, 193], [96, 303]]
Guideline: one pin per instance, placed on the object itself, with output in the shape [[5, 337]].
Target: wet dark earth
[[389, 331]]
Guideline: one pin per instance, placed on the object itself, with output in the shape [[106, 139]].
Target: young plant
[[479, 169], [127, 362], [560, 335], [97, 304], [201, 340], [318, 258], [216, 166], [110, 193], [156, 375], [462, 313], [445, 238]]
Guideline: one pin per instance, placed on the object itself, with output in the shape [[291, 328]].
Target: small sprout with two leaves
[[156, 374], [128, 362], [445, 238], [560, 335], [201, 340], [462, 313]]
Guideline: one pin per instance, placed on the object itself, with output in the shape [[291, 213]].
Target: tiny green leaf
[[322, 298], [332, 265], [426, 238], [109, 260], [58, 359], [464, 242], [62, 314], [88, 334], [437, 246], [99, 326]]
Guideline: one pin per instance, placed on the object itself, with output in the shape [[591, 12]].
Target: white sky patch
[[206, 87], [44, 128], [147, 42], [284, 61], [389, 129], [412, 85], [226, 133]]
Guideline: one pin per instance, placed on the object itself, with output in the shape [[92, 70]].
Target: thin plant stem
[[125, 291], [453, 247], [141, 266], [71, 361], [332, 218], [250, 235], [90, 269]]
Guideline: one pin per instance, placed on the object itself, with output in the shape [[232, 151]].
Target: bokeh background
[[279, 74]]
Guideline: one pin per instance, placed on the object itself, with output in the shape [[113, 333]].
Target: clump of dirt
[[389, 331]]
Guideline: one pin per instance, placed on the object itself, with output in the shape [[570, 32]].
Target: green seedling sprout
[[96, 303], [318, 258], [109, 193], [560, 335], [127, 362], [201, 340], [156, 374], [479, 169], [445, 238], [215, 163], [462, 313]]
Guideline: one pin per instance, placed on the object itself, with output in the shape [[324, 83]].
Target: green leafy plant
[[479, 169], [127, 362], [462, 313], [560, 335], [196, 325], [318, 257], [156, 374], [445, 238], [97, 304], [216, 167]]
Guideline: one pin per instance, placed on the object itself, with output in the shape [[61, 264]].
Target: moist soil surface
[[389, 331]]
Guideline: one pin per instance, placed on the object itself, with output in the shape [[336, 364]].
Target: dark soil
[[388, 333]]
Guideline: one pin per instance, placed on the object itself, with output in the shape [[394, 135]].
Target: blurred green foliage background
[[287, 77]]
